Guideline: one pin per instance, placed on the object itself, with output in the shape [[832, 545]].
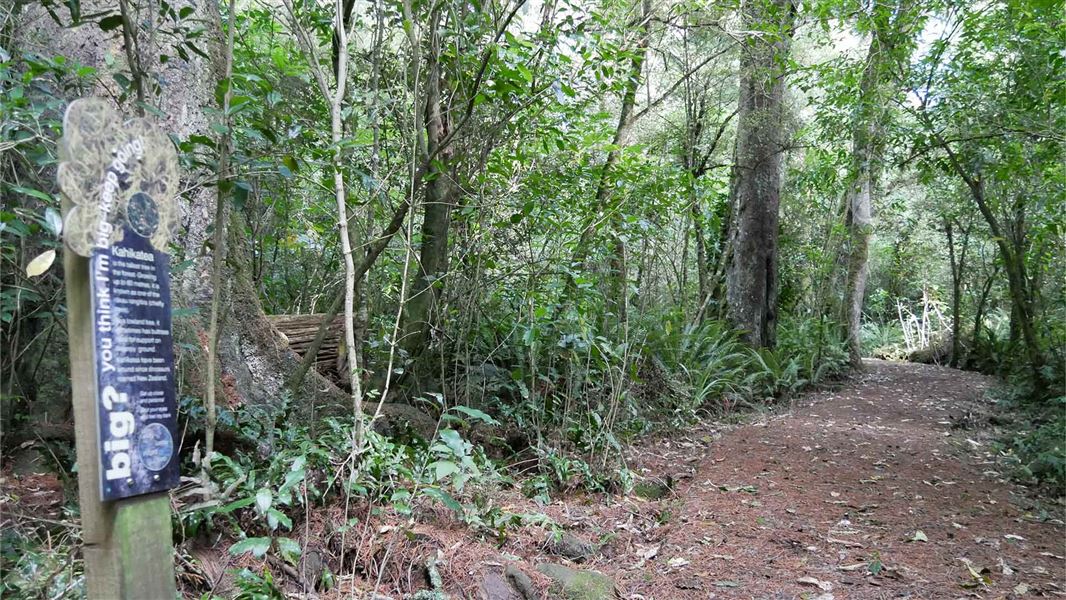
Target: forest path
[[883, 488]]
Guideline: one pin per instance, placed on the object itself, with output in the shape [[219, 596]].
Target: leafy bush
[[883, 340], [817, 345], [1034, 442], [40, 564], [1044, 454]]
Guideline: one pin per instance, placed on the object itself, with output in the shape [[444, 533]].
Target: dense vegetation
[[548, 227]]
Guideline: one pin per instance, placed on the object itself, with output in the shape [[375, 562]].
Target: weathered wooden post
[[118, 181]]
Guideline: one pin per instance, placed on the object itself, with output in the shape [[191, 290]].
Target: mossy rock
[[570, 546], [651, 490], [573, 584]]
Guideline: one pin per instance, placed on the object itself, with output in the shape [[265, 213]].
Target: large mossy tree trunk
[[252, 359], [751, 279]]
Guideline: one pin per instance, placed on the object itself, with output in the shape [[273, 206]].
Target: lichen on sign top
[[117, 175]]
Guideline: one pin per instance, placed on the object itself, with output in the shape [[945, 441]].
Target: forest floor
[[884, 487]]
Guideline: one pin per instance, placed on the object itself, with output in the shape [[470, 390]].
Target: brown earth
[[884, 488]]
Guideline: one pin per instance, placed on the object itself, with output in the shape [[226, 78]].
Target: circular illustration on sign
[[155, 446], [142, 214]]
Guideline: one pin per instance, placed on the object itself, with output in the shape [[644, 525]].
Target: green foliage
[[252, 586], [38, 563], [883, 340], [1035, 443], [574, 313]]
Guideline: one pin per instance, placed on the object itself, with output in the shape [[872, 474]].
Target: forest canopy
[[550, 226]]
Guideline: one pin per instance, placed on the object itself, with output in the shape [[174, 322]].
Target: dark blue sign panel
[[135, 398]]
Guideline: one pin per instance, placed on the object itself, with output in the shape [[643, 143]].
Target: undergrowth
[[578, 413], [1034, 442]]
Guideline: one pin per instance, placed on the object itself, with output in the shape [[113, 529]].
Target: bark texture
[[890, 43], [252, 360], [440, 198], [751, 279]]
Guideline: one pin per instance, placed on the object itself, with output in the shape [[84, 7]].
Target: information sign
[[122, 178]]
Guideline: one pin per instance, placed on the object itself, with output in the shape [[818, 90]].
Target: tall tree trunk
[[890, 34], [1013, 263], [702, 259], [865, 168], [751, 280], [252, 361], [618, 286], [958, 264], [982, 302], [440, 198]]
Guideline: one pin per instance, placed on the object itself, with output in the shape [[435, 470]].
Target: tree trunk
[[890, 33], [958, 264], [751, 280], [618, 286], [702, 264], [252, 360], [440, 198], [860, 202], [1013, 262], [982, 301]]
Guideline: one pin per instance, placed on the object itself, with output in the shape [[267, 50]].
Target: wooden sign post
[[118, 181]]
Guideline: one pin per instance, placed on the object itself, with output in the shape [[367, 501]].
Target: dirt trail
[[883, 488]]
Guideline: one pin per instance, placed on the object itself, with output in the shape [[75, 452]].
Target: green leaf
[[258, 546], [291, 479], [290, 162], [444, 468], [289, 549], [445, 498], [474, 413], [152, 109], [232, 506], [263, 499], [31, 192], [275, 517], [454, 441], [109, 23]]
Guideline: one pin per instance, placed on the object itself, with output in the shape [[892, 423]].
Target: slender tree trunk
[[982, 302], [865, 169], [1013, 263], [891, 31], [223, 185], [860, 224], [616, 297], [702, 264], [958, 264], [751, 280], [350, 277], [440, 198]]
